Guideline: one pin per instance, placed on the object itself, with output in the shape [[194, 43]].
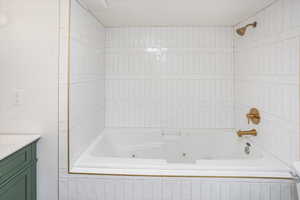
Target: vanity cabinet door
[[19, 187], [16, 162]]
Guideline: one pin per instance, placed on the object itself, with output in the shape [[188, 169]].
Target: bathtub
[[185, 153]]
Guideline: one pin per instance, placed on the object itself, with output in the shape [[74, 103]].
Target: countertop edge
[[28, 139]]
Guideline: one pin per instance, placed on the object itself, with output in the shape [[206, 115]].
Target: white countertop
[[9, 144]]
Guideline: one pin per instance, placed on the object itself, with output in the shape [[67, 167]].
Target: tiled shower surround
[[267, 61], [87, 113], [200, 78], [169, 77]]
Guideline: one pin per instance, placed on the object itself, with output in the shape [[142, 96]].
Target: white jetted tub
[[153, 152]]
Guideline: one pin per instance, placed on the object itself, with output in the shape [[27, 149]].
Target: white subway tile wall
[[169, 77], [87, 79], [267, 77]]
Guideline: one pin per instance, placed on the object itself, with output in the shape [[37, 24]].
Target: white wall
[[169, 77], [29, 51], [267, 77], [87, 79]]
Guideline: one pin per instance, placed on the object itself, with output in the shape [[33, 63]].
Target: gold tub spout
[[252, 132]]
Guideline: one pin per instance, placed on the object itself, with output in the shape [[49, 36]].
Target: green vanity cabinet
[[18, 175]]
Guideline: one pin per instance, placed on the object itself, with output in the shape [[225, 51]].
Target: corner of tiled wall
[[267, 66]]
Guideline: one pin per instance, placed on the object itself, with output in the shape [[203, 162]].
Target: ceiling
[[115, 13]]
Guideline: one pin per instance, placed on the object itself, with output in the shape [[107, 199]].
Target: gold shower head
[[242, 31]]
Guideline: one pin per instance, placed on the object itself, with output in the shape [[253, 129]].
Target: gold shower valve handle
[[253, 116]]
